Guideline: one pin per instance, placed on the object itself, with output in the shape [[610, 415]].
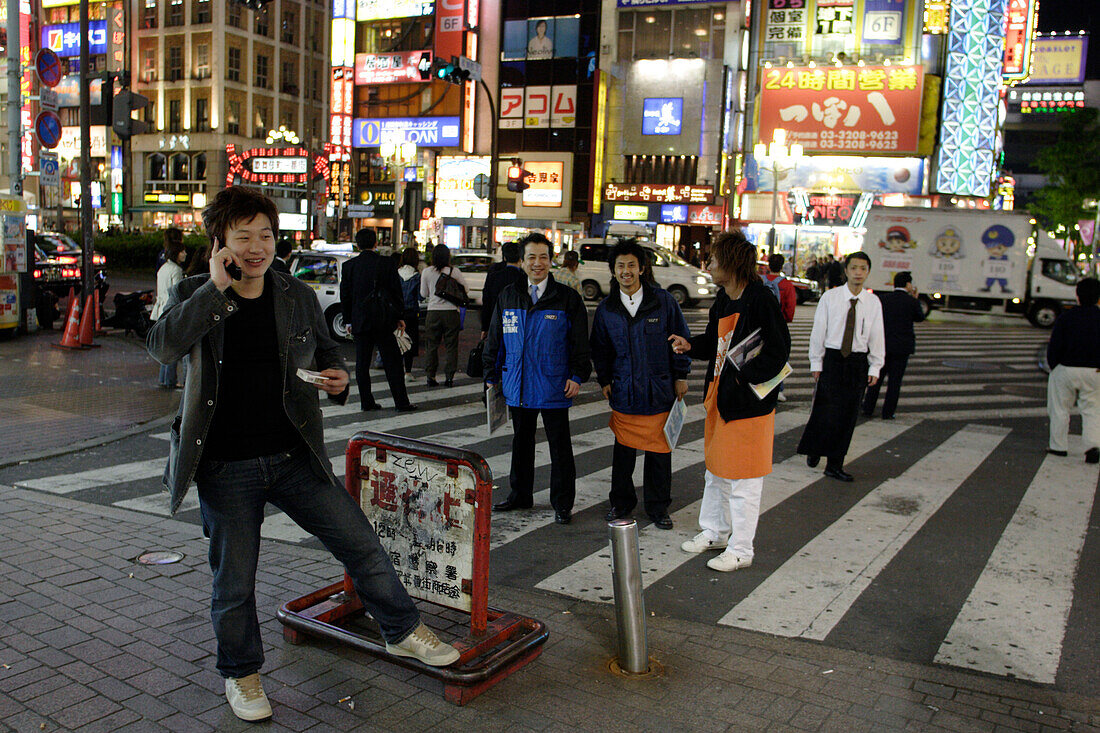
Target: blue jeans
[[232, 496]]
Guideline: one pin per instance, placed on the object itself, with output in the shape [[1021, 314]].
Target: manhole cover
[[971, 366], [160, 557]]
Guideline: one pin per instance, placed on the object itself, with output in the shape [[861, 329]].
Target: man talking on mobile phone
[[249, 432]]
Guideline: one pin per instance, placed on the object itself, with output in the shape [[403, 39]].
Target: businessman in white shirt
[[847, 350]]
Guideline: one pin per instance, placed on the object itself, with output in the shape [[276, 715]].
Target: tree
[[1072, 169]]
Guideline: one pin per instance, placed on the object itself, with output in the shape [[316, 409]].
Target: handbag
[[475, 369], [451, 290]]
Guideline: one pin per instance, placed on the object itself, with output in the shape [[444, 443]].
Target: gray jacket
[[193, 323]]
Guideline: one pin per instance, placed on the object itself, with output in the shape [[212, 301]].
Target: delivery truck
[[979, 261]]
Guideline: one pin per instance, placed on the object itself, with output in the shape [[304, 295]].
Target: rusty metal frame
[[499, 642]]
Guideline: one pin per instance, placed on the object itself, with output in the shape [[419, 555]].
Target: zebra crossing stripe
[[158, 503], [1014, 620], [809, 594], [660, 550], [67, 483]]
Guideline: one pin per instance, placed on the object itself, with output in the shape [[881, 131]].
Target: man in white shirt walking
[[847, 350]]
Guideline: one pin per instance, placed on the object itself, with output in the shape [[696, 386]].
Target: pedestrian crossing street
[[960, 542]]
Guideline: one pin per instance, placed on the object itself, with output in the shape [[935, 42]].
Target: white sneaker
[[409, 377], [782, 397], [727, 562], [701, 543], [246, 697], [424, 645]]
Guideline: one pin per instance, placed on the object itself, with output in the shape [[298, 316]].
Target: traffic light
[[516, 176], [124, 125], [449, 71]]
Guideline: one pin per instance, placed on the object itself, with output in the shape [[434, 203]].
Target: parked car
[[804, 290], [687, 284], [57, 263], [321, 271]]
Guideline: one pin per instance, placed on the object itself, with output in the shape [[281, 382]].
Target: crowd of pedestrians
[[249, 431]]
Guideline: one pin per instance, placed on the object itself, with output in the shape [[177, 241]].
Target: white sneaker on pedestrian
[[727, 562], [424, 645], [246, 697], [782, 397], [409, 377], [701, 543]]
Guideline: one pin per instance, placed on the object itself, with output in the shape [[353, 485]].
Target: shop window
[[202, 114], [198, 167], [233, 117], [175, 121], [181, 166], [149, 14], [233, 64], [652, 29], [175, 13], [157, 167]]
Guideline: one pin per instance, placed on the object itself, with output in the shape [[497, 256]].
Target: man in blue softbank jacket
[[537, 349]]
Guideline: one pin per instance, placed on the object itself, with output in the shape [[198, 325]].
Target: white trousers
[[1066, 385], [730, 508]]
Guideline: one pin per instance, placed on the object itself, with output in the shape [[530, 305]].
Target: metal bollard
[[629, 603]]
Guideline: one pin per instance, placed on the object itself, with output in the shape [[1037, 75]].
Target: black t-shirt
[[249, 419]]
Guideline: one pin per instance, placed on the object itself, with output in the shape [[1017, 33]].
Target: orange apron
[[643, 432], [740, 448]]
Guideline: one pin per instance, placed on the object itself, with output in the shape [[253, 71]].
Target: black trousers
[[656, 481], [836, 407], [391, 362], [563, 472], [892, 371]]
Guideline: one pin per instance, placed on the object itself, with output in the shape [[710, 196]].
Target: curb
[[89, 443]]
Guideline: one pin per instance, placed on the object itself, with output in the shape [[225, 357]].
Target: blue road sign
[[47, 125]]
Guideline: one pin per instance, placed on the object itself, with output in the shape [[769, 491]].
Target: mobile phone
[[234, 270]]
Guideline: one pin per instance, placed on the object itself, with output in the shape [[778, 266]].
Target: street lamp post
[[772, 155], [397, 153]]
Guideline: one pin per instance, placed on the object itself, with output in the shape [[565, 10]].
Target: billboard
[[662, 115], [846, 109], [966, 158], [538, 107], [1057, 60], [537, 39], [545, 180], [428, 131], [383, 9], [843, 173], [659, 193], [64, 39], [393, 68], [454, 186]]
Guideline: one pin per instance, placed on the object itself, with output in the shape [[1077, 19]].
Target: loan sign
[[845, 109]]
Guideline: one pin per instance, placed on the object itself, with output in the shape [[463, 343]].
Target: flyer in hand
[[675, 422], [496, 409], [743, 352], [764, 388]]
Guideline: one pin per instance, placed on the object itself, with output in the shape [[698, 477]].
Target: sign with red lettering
[[828, 209], [511, 107], [422, 510], [537, 107], [844, 109], [563, 107], [274, 165]]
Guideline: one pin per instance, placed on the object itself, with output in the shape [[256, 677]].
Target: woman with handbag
[[441, 284], [740, 427], [409, 272]]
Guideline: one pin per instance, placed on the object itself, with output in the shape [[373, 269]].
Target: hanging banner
[[868, 109]]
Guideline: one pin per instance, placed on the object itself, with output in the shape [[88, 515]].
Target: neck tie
[[534, 294], [849, 329]]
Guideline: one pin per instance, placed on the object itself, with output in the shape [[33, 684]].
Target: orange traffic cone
[[71, 337], [87, 324]]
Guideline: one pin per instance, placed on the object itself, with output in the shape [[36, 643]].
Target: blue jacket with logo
[[633, 355], [532, 349]]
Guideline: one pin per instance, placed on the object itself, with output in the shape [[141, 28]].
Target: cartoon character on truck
[[997, 268], [947, 251]]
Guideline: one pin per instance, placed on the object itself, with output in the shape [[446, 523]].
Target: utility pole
[[15, 101], [87, 267], [492, 164]]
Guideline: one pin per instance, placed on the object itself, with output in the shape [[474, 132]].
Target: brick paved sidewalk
[[91, 641], [55, 400]]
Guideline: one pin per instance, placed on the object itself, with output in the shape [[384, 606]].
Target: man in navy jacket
[[900, 310], [537, 348], [641, 377]]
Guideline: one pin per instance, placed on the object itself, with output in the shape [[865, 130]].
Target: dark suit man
[[360, 276], [900, 310], [283, 248], [500, 276]]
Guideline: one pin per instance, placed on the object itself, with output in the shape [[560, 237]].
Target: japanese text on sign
[[670, 194], [424, 519], [844, 109]]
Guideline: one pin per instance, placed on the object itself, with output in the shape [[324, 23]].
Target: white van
[[687, 284]]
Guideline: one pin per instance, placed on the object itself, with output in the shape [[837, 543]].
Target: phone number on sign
[[858, 139]]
